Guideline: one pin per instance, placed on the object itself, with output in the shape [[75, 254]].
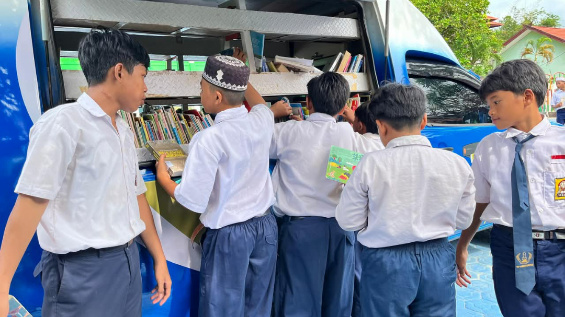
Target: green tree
[[541, 48], [464, 26]]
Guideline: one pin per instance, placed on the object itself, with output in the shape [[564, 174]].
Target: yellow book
[[175, 156], [148, 137], [344, 62]]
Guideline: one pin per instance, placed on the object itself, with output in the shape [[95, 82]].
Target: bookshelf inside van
[[318, 35]]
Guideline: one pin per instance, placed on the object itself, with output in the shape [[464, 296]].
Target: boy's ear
[[118, 69], [309, 104], [219, 96], [363, 127], [529, 98], [382, 128], [424, 122]]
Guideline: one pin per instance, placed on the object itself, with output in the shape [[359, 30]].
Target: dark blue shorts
[[315, 268], [91, 283], [237, 273], [414, 279]]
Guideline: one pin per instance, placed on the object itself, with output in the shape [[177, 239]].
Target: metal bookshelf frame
[[200, 21]]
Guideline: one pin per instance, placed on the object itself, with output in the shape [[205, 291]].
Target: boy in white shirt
[[315, 264], [558, 99], [520, 181], [226, 178], [81, 189], [406, 200], [363, 123]]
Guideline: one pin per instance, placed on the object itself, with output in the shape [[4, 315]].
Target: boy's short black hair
[[231, 97], [329, 93], [102, 49], [366, 117], [401, 106], [516, 76]]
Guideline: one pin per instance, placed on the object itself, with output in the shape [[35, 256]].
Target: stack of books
[[166, 124], [294, 63], [345, 63]]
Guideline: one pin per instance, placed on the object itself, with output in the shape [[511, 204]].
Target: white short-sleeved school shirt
[[544, 159], [302, 149], [409, 192], [558, 96], [372, 142], [226, 176], [89, 173]]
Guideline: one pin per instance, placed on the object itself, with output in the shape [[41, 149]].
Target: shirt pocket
[[554, 186]]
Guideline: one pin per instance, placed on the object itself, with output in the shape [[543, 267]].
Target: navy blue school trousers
[[356, 311], [91, 283], [315, 268], [415, 279], [547, 299], [237, 272], [560, 116]]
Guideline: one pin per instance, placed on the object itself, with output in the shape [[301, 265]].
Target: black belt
[[92, 251], [558, 234], [292, 218]]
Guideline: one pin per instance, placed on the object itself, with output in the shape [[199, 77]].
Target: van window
[[452, 102]]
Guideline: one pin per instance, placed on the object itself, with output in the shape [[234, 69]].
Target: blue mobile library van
[[38, 71]]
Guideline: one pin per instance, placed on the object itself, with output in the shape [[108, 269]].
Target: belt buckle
[[538, 235]]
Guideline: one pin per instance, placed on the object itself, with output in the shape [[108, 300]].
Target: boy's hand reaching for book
[[348, 114], [281, 109], [239, 54], [161, 167]]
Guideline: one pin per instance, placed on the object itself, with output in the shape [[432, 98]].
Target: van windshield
[[452, 102]]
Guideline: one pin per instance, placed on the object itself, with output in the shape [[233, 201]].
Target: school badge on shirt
[[560, 189]]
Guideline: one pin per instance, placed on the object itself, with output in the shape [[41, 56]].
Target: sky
[[502, 8]]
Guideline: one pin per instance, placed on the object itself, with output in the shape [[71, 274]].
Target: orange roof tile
[[557, 34]]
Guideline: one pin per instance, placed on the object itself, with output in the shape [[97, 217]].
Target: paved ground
[[478, 300]]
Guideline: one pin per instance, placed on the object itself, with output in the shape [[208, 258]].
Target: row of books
[[166, 124], [345, 63]]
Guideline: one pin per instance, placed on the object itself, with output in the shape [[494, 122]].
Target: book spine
[[164, 125], [188, 127], [140, 131], [144, 128], [150, 130], [180, 131], [194, 121], [347, 65], [352, 65], [133, 130], [210, 119], [157, 127]]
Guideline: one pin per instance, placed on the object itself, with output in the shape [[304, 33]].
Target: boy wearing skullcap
[[226, 179]]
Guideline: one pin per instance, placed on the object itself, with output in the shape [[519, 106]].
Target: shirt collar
[[540, 129], [90, 105], [231, 113], [409, 140], [373, 136], [318, 116]]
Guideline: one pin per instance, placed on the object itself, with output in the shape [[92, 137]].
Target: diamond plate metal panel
[[87, 12], [168, 84]]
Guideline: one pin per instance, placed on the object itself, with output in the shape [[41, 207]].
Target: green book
[[341, 164]]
